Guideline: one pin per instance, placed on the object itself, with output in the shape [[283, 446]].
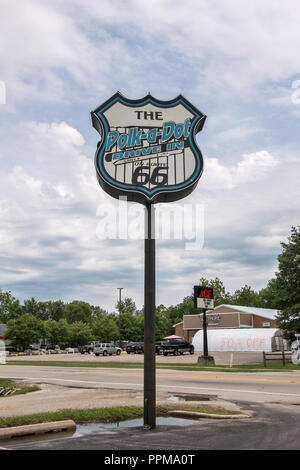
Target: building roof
[[261, 312], [177, 324]]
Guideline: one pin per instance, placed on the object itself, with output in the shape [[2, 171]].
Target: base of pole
[[206, 360]]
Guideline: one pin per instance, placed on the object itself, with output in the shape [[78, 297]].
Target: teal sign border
[[102, 126]]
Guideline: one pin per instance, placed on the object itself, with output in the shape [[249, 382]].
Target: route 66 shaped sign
[[148, 151]]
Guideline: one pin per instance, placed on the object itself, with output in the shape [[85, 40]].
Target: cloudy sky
[[237, 61]]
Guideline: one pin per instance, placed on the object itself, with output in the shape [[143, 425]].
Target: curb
[[196, 414], [36, 429]]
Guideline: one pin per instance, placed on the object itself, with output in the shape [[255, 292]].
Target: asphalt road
[[265, 387], [273, 397], [273, 427]]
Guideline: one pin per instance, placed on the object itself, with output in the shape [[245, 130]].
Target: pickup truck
[[87, 348], [176, 347], [135, 347]]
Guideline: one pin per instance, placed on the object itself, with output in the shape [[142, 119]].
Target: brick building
[[227, 317]]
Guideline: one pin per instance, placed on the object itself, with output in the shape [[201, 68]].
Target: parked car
[[34, 352], [135, 347], [121, 344], [87, 348], [70, 350], [106, 349], [47, 347], [176, 347]]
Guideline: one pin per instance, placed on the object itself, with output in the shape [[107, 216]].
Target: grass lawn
[[20, 388], [105, 415], [173, 366]]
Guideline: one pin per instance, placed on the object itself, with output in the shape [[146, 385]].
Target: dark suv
[[136, 348]]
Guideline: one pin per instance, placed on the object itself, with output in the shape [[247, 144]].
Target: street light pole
[[120, 299]]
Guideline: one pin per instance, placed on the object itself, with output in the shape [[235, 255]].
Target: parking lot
[[221, 358]]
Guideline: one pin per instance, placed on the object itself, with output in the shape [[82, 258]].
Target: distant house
[[227, 317]]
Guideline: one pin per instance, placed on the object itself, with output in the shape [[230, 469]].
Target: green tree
[[269, 296], [127, 306], [163, 323], [79, 333], [54, 310], [288, 285], [247, 297], [98, 312], [131, 327], [186, 307], [10, 307], [105, 329], [35, 308], [57, 332], [78, 311], [24, 331]]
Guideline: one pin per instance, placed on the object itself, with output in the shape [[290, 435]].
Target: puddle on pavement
[[97, 428], [112, 428], [188, 398]]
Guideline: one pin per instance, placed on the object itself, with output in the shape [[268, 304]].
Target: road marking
[[231, 390], [213, 377], [182, 376], [220, 377], [47, 379]]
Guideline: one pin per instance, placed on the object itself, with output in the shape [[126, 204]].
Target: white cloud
[[250, 168], [48, 208], [43, 48], [254, 166], [230, 48], [238, 133], [54, 54]]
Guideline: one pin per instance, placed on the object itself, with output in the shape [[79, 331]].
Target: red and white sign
[[204, 297]]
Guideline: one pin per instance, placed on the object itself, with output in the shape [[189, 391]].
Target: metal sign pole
[[149, 326], [204, 320], [119, 322]]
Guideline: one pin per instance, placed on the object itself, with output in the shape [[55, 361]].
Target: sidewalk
[[55, 397]]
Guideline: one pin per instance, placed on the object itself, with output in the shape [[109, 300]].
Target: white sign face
[[205, 303], [148, 152]]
